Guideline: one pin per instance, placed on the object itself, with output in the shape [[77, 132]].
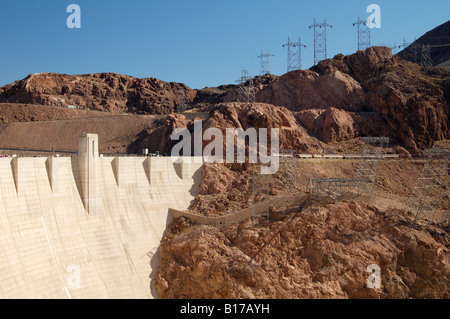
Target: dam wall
[[87, 226]]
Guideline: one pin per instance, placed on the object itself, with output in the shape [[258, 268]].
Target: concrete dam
[[87, 226]]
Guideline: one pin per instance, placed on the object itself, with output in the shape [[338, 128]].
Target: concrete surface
[[87, 226]]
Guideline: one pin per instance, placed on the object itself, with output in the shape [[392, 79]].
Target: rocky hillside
[[13, 112], [314, 252], [369, 93], [235, 115], [104, 92], [413, 102], [439, 41], [311, 251]]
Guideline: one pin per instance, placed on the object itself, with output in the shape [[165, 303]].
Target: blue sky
[[197, 42]]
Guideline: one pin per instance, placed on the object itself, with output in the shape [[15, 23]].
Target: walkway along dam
[[87, 226]]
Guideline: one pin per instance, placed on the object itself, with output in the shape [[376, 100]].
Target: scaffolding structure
[[260, 187], [265, 67], [367, 170], [294, 55], [181, 104], [425, 55], [286, 172], [323, 189], [422, 200], [363, 34], [246, 88], [416, 52], [320, 40]]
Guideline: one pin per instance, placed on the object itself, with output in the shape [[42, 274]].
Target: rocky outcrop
[[212, 95], [223, 189], [159, 140], [413, 102], [320, 252], [259, 115], [370, 92], [104, 92], [307, 250], [335, 125], [306, 89], [259, 83], [235, 115], [438, 39]]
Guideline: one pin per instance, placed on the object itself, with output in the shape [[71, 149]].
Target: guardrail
[[36, 151]]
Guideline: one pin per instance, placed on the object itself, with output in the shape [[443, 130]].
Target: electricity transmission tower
[[363, 34], [393, 48], [320, 40], [405, 52], [265, 62], [294, 59], [404, 45], [246, 88]]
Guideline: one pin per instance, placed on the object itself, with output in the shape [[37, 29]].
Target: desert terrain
[[313, 250]]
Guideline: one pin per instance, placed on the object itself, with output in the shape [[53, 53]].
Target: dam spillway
[[102, 216]]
